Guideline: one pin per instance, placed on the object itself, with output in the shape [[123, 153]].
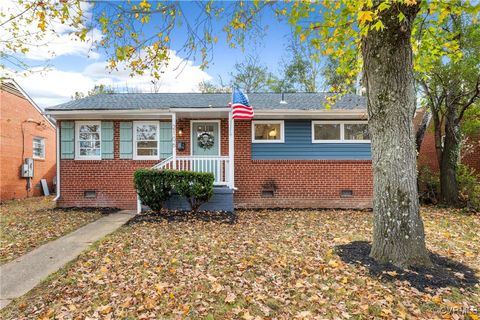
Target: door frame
[[219, 122]]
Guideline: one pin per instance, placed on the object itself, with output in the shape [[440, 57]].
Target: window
[[356, 131], [88, 145], [268, 132], [340, 132], [146, 138], [326, 131], [38, 148]]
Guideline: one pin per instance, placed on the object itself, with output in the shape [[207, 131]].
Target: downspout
[[57, 190]]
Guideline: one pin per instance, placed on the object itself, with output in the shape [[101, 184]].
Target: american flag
[[241, 108]]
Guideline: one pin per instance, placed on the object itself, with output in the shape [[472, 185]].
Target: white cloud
[[56, 41], [48, 88], [179, 76], [54, 86]]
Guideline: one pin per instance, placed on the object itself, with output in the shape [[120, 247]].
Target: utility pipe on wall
[[57, 186]]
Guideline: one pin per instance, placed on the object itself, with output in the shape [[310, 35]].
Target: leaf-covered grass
[[29, 223], [265, 265]]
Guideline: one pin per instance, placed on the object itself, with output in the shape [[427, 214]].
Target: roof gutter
[[309, 112], [168, 112], [121, 114]]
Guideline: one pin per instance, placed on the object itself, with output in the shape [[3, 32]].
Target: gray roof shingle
[[259, 101]]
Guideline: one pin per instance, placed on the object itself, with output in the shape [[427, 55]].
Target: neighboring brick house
[[470, 153], [294, 153], [25, 132]]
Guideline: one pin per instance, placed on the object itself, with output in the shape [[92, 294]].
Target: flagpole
[[231, 146]]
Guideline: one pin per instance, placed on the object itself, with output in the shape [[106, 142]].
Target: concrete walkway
[[23, 274]]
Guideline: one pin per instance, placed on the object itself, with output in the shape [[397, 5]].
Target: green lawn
[[266, 265], [27, 224]]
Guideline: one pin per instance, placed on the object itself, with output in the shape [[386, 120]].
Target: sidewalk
[[23, 274]]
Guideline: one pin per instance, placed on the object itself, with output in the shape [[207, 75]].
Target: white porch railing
[[218, 165]]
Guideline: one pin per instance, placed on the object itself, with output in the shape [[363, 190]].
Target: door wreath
[[205, 140]]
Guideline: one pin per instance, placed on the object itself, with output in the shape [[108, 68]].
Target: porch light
[[180, 132]]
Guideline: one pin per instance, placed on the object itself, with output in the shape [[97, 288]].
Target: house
[[469, 153], [26, 133], [294, 153]]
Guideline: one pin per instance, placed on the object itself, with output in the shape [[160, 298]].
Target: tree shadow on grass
[[185, 216], [444, 272]]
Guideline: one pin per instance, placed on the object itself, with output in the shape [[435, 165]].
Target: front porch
[[218, 165], [189, 152]]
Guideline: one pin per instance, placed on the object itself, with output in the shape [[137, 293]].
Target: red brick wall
[[471, 153], [428, 155], [14, 110], [300, 183], [113, 179]]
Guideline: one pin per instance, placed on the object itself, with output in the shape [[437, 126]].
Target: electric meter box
[[27, 168]]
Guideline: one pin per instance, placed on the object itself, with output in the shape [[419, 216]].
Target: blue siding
[[298, 146]]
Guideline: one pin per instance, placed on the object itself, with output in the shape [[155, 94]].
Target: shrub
[[469, 186], [428, 186], [154, 187], [197, 187]]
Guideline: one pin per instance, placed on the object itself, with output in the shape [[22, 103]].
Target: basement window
[[90, 194]]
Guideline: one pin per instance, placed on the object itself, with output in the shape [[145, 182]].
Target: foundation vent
[[346, 193], [90, 194], [268, 189]]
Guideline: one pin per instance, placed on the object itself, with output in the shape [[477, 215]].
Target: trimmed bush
[[153, 186], [196, 187]]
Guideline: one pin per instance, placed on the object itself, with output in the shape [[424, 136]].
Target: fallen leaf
[[230, 298], [437, 299], [303, 314], [333, 263], [105, 309]]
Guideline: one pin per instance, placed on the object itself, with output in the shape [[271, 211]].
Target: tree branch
[[473, 98]]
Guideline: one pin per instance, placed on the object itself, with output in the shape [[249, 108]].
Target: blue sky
[[76, 68]]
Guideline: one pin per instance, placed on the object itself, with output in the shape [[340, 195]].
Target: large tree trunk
[[398, 233], [450, 158]]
